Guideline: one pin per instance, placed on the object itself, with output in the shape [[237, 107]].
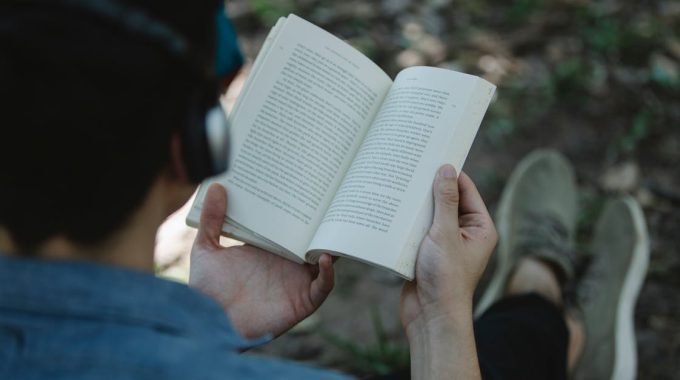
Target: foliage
[[379, 358], [270, 10], [630, 139]]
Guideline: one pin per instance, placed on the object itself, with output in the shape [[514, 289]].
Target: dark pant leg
[[522, 337]]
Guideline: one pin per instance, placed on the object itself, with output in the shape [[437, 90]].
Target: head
[[99, 107]]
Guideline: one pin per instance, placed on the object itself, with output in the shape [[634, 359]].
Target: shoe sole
[[625, 359]]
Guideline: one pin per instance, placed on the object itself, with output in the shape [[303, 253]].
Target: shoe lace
[[543, 231]]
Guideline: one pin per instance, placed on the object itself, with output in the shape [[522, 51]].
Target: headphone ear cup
[[217, 133], [195, 148]]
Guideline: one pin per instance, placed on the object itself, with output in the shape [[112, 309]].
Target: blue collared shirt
[[75, 320]]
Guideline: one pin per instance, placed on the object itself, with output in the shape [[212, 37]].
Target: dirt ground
[[600, 83]]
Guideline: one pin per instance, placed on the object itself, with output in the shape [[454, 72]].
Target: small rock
[[622, 178], [434, 21], [410, 57], [433, 47], [664, 69], [598, 78], [631, 76], [488, 43], [452, 65], [413, 31], [645, 197], [673, 46], [658, 322], [493, 66], [393, 7]]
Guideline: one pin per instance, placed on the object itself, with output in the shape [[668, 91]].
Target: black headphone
[[205, 134]]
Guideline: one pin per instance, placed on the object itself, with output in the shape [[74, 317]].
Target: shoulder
[[139, 356]]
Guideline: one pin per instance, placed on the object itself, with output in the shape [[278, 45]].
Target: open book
[[330, 155]]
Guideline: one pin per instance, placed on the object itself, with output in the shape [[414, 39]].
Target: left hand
[[261, 292]]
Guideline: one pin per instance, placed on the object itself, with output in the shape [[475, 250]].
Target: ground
[[599, 82]]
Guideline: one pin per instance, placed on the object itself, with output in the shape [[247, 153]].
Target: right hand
[[452, 256]]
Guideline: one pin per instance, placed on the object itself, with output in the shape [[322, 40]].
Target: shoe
[[608, 291], [536, 217]]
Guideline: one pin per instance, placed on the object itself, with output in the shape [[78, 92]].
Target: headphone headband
[[205, 145]]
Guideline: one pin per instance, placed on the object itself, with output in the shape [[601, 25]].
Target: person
[[99, 99], [97, 151]]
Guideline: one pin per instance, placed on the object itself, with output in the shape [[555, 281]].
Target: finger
[[212, 215], [475, 220], [446, 199], [324, 282], [471, 201]]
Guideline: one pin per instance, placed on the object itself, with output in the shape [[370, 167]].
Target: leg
[[524, 334], [537, 276]]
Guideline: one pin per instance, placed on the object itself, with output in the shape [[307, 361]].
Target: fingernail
[[447, 171]]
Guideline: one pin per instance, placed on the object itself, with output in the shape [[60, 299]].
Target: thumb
[[446, 199], [212, 215]]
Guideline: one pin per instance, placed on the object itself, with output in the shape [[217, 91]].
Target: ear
[[178, 169], [177, 188], [7, 245]]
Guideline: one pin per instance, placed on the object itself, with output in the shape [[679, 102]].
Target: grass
[[623, 56], [628, 142]]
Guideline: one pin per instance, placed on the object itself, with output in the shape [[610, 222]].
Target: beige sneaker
[[536, 217], [608, 291]]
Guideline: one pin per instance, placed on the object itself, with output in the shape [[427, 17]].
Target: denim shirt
[[75, 320]]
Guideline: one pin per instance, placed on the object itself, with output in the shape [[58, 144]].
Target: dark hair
[[87, 111]]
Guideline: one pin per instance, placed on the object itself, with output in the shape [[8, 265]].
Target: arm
[[436, 309]]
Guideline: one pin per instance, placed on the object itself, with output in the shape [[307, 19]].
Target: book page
[[257, 65], [429, 117], [231, 228], [296, 131]]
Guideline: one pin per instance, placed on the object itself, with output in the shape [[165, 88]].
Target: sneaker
[[536, 217], [608, 291]]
